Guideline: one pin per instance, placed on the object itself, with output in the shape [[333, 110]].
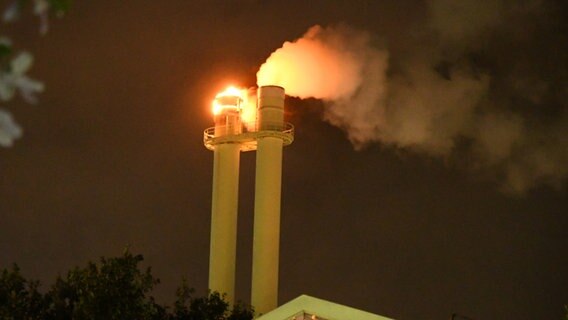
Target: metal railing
[[249, 135]]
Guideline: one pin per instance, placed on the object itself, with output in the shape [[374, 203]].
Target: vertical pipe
[[224, 219], [222, 257], [266, 239]]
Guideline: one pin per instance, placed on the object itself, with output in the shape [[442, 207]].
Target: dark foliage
[[19, 298], [212, 307], [113, 288]]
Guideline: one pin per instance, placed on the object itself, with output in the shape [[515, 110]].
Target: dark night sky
[[113, 157]]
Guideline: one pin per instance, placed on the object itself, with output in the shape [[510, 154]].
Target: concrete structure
[[266, 238], [227, 139], [308, 308], [222, 259]]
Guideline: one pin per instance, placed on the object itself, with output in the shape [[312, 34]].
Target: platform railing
[[249, 135]]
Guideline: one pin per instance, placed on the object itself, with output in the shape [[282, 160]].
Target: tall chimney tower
[[266, 238], [227, 139], [222, 258]]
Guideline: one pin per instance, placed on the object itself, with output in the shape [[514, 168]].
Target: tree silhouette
[[113, 288]]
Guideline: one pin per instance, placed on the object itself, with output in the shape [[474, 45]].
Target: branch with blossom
[[13, 67]]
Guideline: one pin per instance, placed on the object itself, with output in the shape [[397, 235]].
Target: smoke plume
[[482, 81]]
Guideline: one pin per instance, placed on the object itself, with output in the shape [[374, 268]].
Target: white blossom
[[41, 6], [16, 79], [9, 129], [5, 41], [12, 12], [41, 9]]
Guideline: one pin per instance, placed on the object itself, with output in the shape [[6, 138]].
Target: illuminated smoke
[[488, 89], [339, 66]]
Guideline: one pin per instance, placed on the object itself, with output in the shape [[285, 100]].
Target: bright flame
[[231, 91], [241, 102], [223, 100]]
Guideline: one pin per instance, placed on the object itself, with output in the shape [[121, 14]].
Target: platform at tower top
[[248, 138]]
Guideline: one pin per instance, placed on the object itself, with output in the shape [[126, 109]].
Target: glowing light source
[[232, 98], [240, 100]]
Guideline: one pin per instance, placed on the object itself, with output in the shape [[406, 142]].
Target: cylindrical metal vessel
[[270, 108], [266, 239]]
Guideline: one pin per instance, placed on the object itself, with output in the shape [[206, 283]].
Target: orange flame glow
[[219, 103], [237, 99]]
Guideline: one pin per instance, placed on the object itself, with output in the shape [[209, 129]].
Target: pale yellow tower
[[222, 258], [266, 237]]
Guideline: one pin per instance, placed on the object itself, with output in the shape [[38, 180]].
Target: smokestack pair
[[227, 139]]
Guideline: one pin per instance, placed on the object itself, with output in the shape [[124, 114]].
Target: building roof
[[309, 308]]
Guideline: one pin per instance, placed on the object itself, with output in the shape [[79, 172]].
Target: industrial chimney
[[266, 238], [227, 139], [227, 109]]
